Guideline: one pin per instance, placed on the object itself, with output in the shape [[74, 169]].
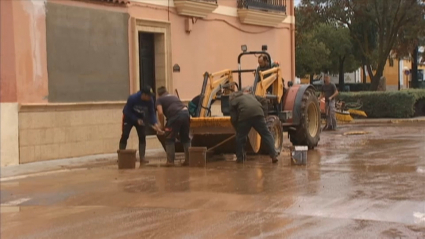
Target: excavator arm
[[274, 79], [211, 87]]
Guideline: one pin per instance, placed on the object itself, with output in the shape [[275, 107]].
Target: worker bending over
[[248, 111], [134, 115], [178, 123]]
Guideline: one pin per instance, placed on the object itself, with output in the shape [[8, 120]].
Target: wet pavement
[[354, 186]]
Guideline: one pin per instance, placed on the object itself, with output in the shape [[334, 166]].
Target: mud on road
[[368, 185]]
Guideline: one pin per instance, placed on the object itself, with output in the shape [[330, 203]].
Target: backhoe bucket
[[217, 134]]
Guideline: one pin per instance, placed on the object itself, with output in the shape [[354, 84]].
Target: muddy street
[[363, 181]]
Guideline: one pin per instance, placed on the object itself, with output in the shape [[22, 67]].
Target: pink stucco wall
[[30, 50], [7, 54], [212, 45]]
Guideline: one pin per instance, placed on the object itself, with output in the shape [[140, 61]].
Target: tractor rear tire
[[307, 133], [275, 127]]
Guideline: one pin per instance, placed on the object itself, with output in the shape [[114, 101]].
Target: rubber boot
[[142, 152], [243, 159], [274, 158], [170, 149], [186, 154]]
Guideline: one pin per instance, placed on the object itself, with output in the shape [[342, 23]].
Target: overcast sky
[[297, 2]]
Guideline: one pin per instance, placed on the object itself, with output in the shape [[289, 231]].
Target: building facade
[[68, 66]]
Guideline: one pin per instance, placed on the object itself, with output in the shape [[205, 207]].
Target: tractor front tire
[[275, 127], [308, 131]]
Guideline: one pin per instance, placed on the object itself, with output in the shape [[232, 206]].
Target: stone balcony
[[262, 12], [195, 8]]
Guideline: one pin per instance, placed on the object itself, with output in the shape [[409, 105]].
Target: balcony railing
[[263, 5]]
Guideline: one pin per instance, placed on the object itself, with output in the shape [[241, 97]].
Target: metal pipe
[[249, 53], [221, 143]]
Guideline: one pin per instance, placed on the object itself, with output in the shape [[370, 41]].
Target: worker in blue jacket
[[135, 114]]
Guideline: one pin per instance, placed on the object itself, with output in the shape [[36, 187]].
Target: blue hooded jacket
[[136, 108]]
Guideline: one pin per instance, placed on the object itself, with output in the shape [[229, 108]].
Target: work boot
[[274, 159], [142, 152], [186, 154], [241, 160], [170, 149]]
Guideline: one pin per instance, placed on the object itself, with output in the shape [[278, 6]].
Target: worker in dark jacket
[[193, 106], [263, 65], [135, 115], [178, 123], [249, 111]]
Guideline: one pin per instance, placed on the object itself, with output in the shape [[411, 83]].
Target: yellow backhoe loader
[[294, 109]]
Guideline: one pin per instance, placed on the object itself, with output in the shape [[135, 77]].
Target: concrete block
[[47, 152], [94, 147], [78, 118], [59, 135], [41, 119], [66, 150], [110, 131], [62, 119], [110, 145], [26, 154], [197, 156], [24, 137], [24, 121]]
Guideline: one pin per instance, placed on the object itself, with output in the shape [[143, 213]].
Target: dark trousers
[[242, 131], [178, 125], [127, 125]]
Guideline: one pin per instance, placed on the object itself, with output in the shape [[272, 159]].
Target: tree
[[409, 40], [338, 41], [387, 17], [311, 55], [367, 31]]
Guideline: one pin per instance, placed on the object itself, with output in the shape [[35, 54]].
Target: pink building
[[67, 66]]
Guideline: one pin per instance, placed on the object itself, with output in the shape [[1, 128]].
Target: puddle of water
[[419, 217], [9, 209], [16, 202], [356, 133]]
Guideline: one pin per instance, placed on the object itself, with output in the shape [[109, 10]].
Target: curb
[[385, 121], [60, 165]]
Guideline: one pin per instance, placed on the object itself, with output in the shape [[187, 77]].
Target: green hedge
[[392, 104]]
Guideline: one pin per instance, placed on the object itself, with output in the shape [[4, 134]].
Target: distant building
[[395, 71]]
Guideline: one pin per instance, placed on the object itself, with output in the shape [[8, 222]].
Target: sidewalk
[[63, 165], [389, 120], [86, 162]]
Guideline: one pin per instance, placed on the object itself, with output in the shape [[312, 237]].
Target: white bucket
[[299, 155]]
